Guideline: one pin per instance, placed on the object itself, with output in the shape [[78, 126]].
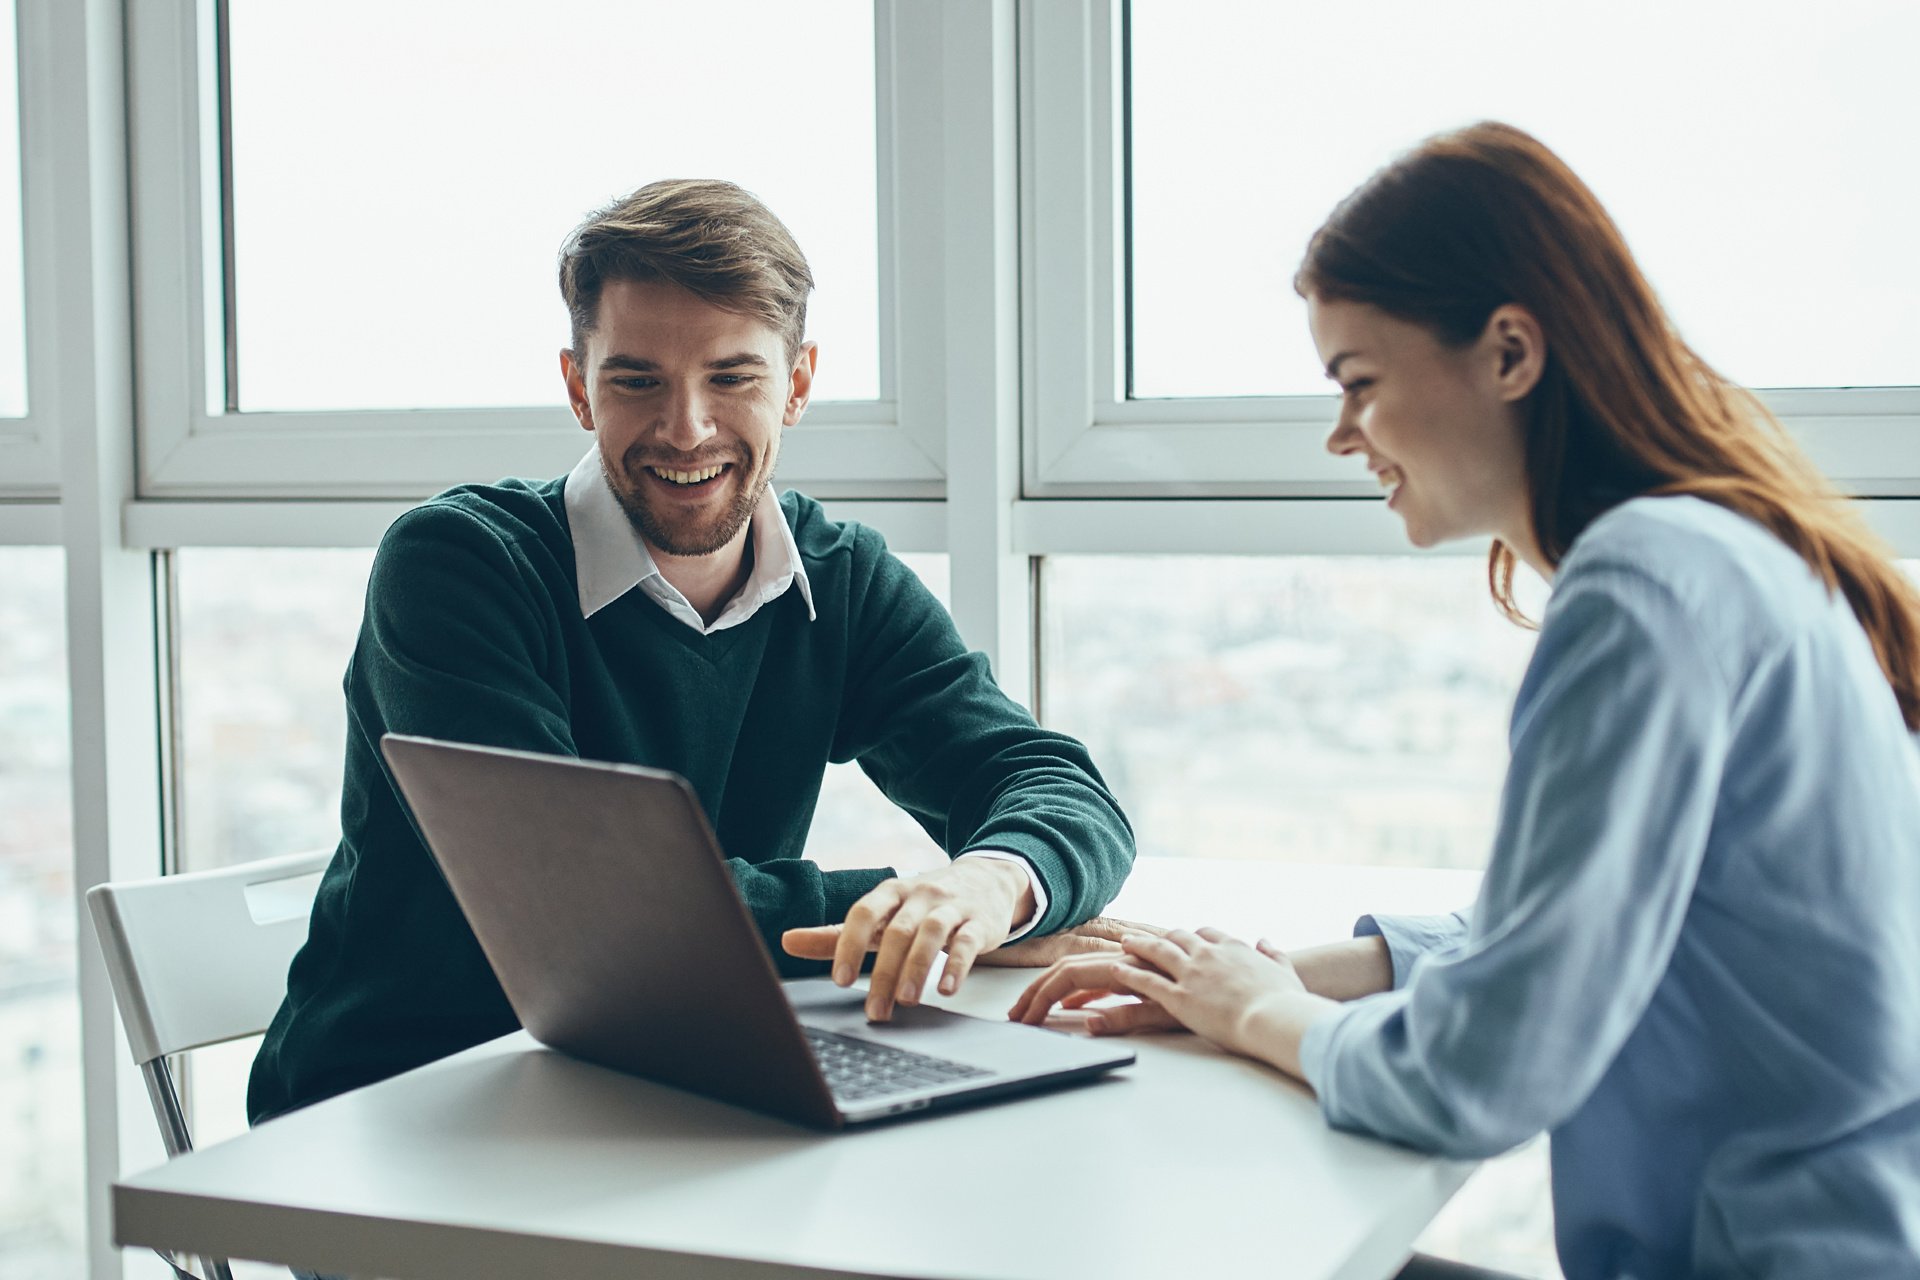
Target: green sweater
[[473, 632]]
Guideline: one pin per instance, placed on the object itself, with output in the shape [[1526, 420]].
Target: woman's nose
[[1344, 438]]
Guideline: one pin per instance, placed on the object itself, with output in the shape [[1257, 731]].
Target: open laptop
[[604, 904]]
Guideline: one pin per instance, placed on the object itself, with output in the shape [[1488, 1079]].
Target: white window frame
[[30, 445], [1086, 439], [192, 446]]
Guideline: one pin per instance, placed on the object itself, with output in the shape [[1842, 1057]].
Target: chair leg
[[172, 1119], [210, 1268]]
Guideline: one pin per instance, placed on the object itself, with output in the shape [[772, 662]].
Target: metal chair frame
[[198, 959]]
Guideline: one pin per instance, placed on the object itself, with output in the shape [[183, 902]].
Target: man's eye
[[636, 384], [733, 379]]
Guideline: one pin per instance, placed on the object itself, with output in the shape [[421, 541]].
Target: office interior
[[271, 274]]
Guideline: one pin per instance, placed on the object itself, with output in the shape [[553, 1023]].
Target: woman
[[1695, 955]]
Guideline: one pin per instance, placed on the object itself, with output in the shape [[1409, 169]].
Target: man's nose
[[689, 422]]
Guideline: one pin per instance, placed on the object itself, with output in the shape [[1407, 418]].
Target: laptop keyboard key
[[860, 1069]]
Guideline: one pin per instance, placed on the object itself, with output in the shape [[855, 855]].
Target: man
[[659, 605]]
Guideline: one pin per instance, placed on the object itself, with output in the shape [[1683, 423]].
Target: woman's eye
[[1356, 386]]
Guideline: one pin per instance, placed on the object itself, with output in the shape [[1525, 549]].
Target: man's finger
[[891, 945], [864, 920], [816, 943], [932, 935], [962, 949]]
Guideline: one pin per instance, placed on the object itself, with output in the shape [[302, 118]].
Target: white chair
[[197, 959]]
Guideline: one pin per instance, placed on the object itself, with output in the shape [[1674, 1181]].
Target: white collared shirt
[[610, 558]]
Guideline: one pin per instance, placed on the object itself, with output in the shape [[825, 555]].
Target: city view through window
[[40, 1117]]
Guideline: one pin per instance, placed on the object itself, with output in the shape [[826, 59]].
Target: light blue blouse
[[1695, 957]]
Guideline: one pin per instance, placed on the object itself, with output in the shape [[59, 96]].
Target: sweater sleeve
[[1620, 737], [928, 724]]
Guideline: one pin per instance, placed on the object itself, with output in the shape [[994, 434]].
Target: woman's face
[[1440, 427]]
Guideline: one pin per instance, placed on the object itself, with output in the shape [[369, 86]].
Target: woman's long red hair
[[1487, 215]]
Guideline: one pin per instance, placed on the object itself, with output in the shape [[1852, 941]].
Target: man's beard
[[688, 537]]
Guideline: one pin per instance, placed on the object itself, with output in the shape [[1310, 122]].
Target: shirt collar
[[610, 558]]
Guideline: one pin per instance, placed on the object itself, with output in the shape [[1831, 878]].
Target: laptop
[[601, 898]]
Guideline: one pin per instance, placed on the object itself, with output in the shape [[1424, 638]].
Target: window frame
[[30, 445], [192, 445], [1086, 439]]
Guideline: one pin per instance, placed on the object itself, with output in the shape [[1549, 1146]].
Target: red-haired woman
[[1695, 956]]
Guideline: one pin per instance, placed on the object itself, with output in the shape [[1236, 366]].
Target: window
[[345, 247], [396, 216], [1307, 708], [856, 826], [263, 641], [40, 1180], [1749, 161], [13, 297]]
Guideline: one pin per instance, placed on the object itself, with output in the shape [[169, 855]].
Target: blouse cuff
[[1410, 937]]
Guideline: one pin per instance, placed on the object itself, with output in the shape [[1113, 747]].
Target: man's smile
[[689, 478]]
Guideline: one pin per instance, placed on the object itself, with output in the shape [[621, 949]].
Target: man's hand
[[964, 908]]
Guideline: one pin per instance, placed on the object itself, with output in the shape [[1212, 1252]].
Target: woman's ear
[[1519, 350]]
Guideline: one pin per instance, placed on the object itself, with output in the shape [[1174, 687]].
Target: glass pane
[[41, 1202], [1750, 162], [264, 638], [1311, 709], [856, 826], [397, 214], [13, 298]]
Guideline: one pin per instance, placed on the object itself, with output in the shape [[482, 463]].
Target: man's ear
[[800, 383], [1519, 348], [575, 376]]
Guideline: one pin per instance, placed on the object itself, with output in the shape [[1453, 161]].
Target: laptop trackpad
[[981, 1042]]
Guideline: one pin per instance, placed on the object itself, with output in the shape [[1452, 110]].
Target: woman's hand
[[1208, 982]]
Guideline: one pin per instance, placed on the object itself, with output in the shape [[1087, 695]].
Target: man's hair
[[711, 238]]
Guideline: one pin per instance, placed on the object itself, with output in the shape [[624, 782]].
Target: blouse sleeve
[[1619, 740]]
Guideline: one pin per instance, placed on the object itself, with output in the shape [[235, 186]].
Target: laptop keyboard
[[859, 1069]]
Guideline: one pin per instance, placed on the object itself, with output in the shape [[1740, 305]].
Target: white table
[[510, 1160]]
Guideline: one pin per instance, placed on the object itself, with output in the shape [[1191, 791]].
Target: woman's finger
[[1165, 954], [1051, 987], [1128, 1019]]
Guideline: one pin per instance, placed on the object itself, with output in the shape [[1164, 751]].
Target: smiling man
[[659, 605]]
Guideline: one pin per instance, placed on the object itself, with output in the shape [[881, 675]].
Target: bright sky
[[1758, 156]]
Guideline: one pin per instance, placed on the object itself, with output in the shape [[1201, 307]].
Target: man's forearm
[[1345, 970]]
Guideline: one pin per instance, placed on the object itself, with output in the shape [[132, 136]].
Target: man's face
[[686, 401]]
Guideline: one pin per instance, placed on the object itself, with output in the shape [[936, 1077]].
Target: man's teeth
[[688, 477]]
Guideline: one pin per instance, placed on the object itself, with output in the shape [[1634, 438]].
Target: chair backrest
[[202, 957]]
